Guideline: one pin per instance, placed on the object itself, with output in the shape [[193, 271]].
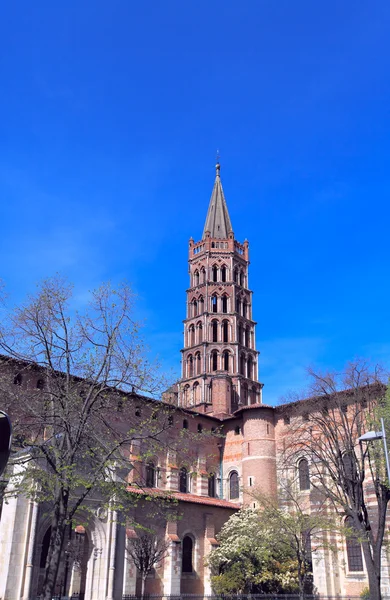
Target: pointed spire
[[217, 220]]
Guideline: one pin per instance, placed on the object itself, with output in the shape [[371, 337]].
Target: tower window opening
[[244, 394], [18, 379], [226, 361], [244, 309], [224, 304], [242, 364], [237, 430], [196, 278], [242, 278], [223, 273], [215, 273], [215, 331], [234, 486], [235, 276], [354, 549], [196, 392], [225, 331], [192, 335], [201, 305], [247, 344], [214, 304], [194, 308], [238, 305], [185, 424], [200, 428], [183, 480], [186, 393], [190, 364], [254, 396], [214, 361], [200, 333], [203, 275], [250, 368], [197, 363], [240, 333]]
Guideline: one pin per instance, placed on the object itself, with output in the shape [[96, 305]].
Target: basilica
[[219, 390]]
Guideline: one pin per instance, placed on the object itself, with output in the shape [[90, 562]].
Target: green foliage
[[365, 594]]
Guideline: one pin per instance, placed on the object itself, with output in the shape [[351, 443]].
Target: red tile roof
[[181, 497]]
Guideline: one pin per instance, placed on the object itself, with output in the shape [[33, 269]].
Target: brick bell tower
[[219, 358]]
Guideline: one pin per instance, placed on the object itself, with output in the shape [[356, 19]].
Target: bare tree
[[147, 550], [76, 420], [347, 473]]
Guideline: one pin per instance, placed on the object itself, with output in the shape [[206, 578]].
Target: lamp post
[[378, 435]]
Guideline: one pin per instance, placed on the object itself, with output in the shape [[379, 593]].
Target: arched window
[[214, 303], [40, 384], [194, 308], [244, 394], [211, 485], [200, 427], [241, 278], [242, 364], [234, 486], [244, 308], [253, 395], [304, 475], [214, 326], [186, 395], [226, 361], [240, 333], [150, 475], [249, 368], [203, 275], [198, 363], [185, 424], [215, 273], [18, 379], [196, 278], [190, 366], [223, 273], [183, 480], [247, 338], [192, 335], [238, 305], [200, 305], [196, 392], [235, 275], [187, 555], [214, 360], [224, 304], [200, 333], [354, 548], [225, 331]]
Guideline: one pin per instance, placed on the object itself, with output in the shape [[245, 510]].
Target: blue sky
[[111, 116]]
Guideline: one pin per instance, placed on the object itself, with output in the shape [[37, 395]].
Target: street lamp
[[378, 435]]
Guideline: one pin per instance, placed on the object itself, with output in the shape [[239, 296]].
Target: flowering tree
[[249, 557]]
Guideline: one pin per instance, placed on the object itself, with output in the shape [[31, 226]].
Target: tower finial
[[217, 166]]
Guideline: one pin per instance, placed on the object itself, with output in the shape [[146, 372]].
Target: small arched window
[[203, 275], [200, 305], [244, 308], [211, 486], [187, 555], [247, 344], [200, 428], [190, 366], [194, 308], [196, 278], [354, 548], [185, 424], [200, 333], [40, 384], [18, 379], [214, 303], [225, 331], [186, 395], [224, 304], [196, 392], [304, 475], [192, 335], [235, 276], [223, 273], [226, 361], [214, 360], [197, 363], [238, 305], [215, 273], [253, 395], [242, 364], [150, 475], [183, 480], [250, 368], [244, 394], [214, 326], [242, 278], [234, 486], [239, 335]]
